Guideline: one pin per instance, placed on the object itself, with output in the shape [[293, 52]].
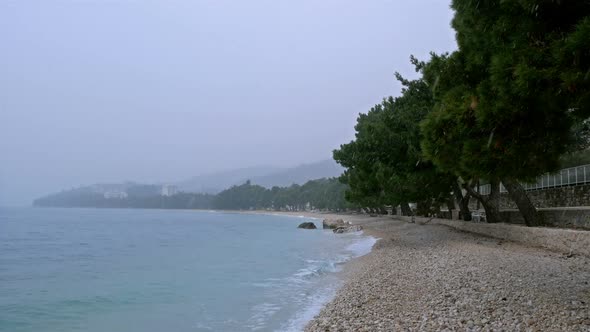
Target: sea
[[165, 270]]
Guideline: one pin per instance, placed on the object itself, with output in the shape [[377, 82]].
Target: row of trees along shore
[[323, 194], [503, 108]]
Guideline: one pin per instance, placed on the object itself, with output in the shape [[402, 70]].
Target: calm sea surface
[[159, 270]]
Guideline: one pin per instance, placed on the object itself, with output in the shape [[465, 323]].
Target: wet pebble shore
[[433, 278]]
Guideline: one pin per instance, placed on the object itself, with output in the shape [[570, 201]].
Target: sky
[[157, 91]]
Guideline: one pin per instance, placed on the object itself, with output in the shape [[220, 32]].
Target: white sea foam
[[294, 216], [317, 268], [314, 302], [312, 307], [363, 246], [199, 326], [262, 312], [297, 298]]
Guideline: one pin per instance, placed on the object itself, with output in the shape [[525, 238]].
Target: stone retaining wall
[[546, 198], [575, 217]]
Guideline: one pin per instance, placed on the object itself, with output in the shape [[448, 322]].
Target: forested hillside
[[267, 177], [323, 194]]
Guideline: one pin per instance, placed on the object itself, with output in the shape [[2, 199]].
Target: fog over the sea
[[156, 91]]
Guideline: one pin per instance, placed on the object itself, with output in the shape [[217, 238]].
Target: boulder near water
[[333, 223], [307, 225]]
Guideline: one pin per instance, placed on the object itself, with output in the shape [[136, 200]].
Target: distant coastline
[[322, 194]]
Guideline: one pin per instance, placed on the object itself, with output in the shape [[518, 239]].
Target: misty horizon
[[257, 170], [154, 92]]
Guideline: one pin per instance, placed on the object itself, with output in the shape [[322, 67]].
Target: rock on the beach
[[307, 225], [333, 223], [348, 229]]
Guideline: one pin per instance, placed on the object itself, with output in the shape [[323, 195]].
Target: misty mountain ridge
[[263, 176], [300, 174], [213, 183]]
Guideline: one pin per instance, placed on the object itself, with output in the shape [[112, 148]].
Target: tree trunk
[[451, 203], [491, 202], [451, 206], [463, 201], [406, 210], [524, 204], [478, 201], [423, 208]]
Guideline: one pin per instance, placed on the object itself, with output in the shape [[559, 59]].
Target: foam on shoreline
[[323, 273], [326, 291]]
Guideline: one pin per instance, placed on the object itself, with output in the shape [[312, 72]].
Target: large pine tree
[[519, 81], [385, 165]]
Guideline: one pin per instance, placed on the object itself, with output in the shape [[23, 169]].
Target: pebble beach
[[434, 278]]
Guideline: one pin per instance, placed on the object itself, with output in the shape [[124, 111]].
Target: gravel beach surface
[[433, 278]]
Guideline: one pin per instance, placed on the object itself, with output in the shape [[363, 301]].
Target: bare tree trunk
[[463, 201], [423, 208], [478, 202], [451, 206], [524, 204], [491, 202], [451, 203], [406, 210]]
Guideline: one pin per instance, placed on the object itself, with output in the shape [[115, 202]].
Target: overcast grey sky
[[153, 91]]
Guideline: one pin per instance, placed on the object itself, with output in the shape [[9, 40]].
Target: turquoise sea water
[[161, 270]]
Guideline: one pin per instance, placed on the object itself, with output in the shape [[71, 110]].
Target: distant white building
[[115, 194], [169, 190]]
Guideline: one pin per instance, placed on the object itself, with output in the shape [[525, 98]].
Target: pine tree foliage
[[385, 164]]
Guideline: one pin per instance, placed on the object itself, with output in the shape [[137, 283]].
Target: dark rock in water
[[348, 229], [333, 223], [307, 225]]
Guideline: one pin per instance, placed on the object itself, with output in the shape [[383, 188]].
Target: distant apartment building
[[169, 190], [115, 195]]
